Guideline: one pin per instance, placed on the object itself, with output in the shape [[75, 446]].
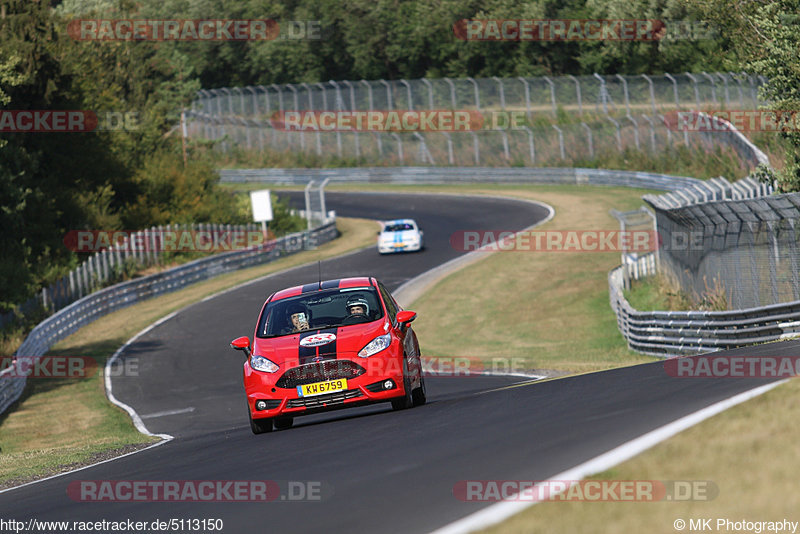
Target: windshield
[[398, 227], [320, 309]]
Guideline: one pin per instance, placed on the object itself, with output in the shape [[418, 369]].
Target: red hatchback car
[[329, 345]]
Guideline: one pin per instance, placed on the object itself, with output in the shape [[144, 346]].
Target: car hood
[[290, 350]]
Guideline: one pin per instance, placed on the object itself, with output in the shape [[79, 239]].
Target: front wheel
[[284, 423], [407, 400], [259, 426]]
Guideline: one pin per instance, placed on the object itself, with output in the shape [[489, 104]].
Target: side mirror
[[404, 317], [242, 343], [378, 232]]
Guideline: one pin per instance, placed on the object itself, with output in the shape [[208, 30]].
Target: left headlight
[[375, 346], [260, 363]]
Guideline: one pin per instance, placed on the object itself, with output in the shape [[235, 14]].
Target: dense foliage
[[51, 183]]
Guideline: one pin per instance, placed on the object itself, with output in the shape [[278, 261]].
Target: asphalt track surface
[[377, 470]]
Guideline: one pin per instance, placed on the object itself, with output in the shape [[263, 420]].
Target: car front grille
[[329, 399], [318, 372]]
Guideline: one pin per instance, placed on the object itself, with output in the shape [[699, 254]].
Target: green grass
[[749, 452]]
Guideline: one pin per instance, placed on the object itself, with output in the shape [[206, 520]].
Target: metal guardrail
[[438, 175], [86, 310], [138, 248], [668, 333]]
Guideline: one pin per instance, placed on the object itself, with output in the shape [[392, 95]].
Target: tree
[[765, 40]]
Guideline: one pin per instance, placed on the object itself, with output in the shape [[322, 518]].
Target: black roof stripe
[[307, 288]]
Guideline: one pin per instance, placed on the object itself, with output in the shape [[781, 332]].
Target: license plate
[[320, 388], [399, 245]]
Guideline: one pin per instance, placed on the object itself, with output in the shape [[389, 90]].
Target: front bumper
[[269, 395], [399, 247]]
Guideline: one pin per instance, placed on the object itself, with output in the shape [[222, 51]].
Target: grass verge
[[36, 441], [749, 452]]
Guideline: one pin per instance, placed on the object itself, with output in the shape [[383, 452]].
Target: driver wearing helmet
[[299, 316], [357, 311]]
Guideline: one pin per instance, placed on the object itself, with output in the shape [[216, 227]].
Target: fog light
[[388, 384], [261, 405]]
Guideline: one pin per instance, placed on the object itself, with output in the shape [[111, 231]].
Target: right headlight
[[260, 363], [375, 346]]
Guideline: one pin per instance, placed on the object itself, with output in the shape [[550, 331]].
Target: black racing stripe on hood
[[330, 284], [328, 352], [325, 352]]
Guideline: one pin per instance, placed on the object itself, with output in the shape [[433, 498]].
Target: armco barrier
[[439, 175], [86, 310], [667, 333]]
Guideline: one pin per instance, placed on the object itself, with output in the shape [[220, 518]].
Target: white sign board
[[262, 207]]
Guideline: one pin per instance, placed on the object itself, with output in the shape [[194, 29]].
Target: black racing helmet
[[358, 301]]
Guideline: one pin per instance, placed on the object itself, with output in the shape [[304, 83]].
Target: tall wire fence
[[569, 118]]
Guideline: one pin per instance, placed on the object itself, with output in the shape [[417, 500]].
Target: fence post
[[560, 141], [577, 93], [477, 96], [452, 92], [293, 89], [635, 131], [625, 90], [727, 92], [476, 148], [589, 138], [408, 92], [502, 92], [552, 96], [713, 87], [674, 88], [430, 92], [738, 88], [531, 147], [603, 92], [388, 93], [696, 89], [527, 97], [773, 261], [652, 92], [450, 154], [399, 147], [324, 95]]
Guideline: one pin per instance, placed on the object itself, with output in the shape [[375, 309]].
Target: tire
[[419, 395], [259, 426], [407, 400], [283, 423]]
